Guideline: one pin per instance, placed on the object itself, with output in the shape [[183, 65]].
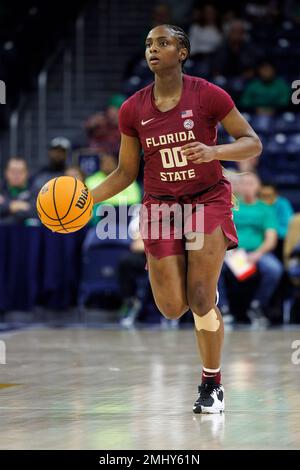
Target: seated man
[[16, 202], [283, 211], [257, 231], [267, 92], [56, 165]]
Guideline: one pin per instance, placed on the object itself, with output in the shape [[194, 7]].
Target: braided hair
[[182, 38]]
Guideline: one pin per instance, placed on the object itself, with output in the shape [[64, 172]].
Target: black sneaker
[[211, 399]]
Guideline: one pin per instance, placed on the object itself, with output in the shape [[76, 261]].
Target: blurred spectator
[[76, 172], [57, 162], [234, 177], [237, 56], [283, 208], [283, 211], [266, 92], [205, 32], [102, 128], [257, 231], [248, 165], [96, 129], [108, 163], [16, 202], [162, 14], [130, 195], [293, 237], [179, 12], [292, 250], [228, 18], [264, 12]]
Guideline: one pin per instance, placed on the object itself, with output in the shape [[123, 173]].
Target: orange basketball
[[64, 204]]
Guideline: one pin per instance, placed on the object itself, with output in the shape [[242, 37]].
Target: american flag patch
[[186, 114]]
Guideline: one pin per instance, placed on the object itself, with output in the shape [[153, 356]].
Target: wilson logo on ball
[[82, 198]]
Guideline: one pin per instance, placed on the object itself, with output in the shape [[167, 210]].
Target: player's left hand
[[197, 152]]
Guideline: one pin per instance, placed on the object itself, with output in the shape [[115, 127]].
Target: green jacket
[[257, 93], [252, 221], [130, 195]]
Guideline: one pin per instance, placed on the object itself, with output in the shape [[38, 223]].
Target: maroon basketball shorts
[[166, 221]]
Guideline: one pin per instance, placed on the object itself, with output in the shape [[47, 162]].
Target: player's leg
[[168, 278], [204, 267], [165, 259]]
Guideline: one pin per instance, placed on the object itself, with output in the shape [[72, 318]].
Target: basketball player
[[174, 120]]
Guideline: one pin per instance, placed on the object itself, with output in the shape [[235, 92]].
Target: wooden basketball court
[[90, 388]]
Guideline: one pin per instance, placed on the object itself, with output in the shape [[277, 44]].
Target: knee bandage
[[208, 322]]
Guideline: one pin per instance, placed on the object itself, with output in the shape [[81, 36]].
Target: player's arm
[[124, 174], [247, 143]]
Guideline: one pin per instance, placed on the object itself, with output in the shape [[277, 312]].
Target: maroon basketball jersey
[[162, 134]]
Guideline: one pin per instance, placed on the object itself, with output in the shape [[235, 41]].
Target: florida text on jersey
[[162, 134]]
